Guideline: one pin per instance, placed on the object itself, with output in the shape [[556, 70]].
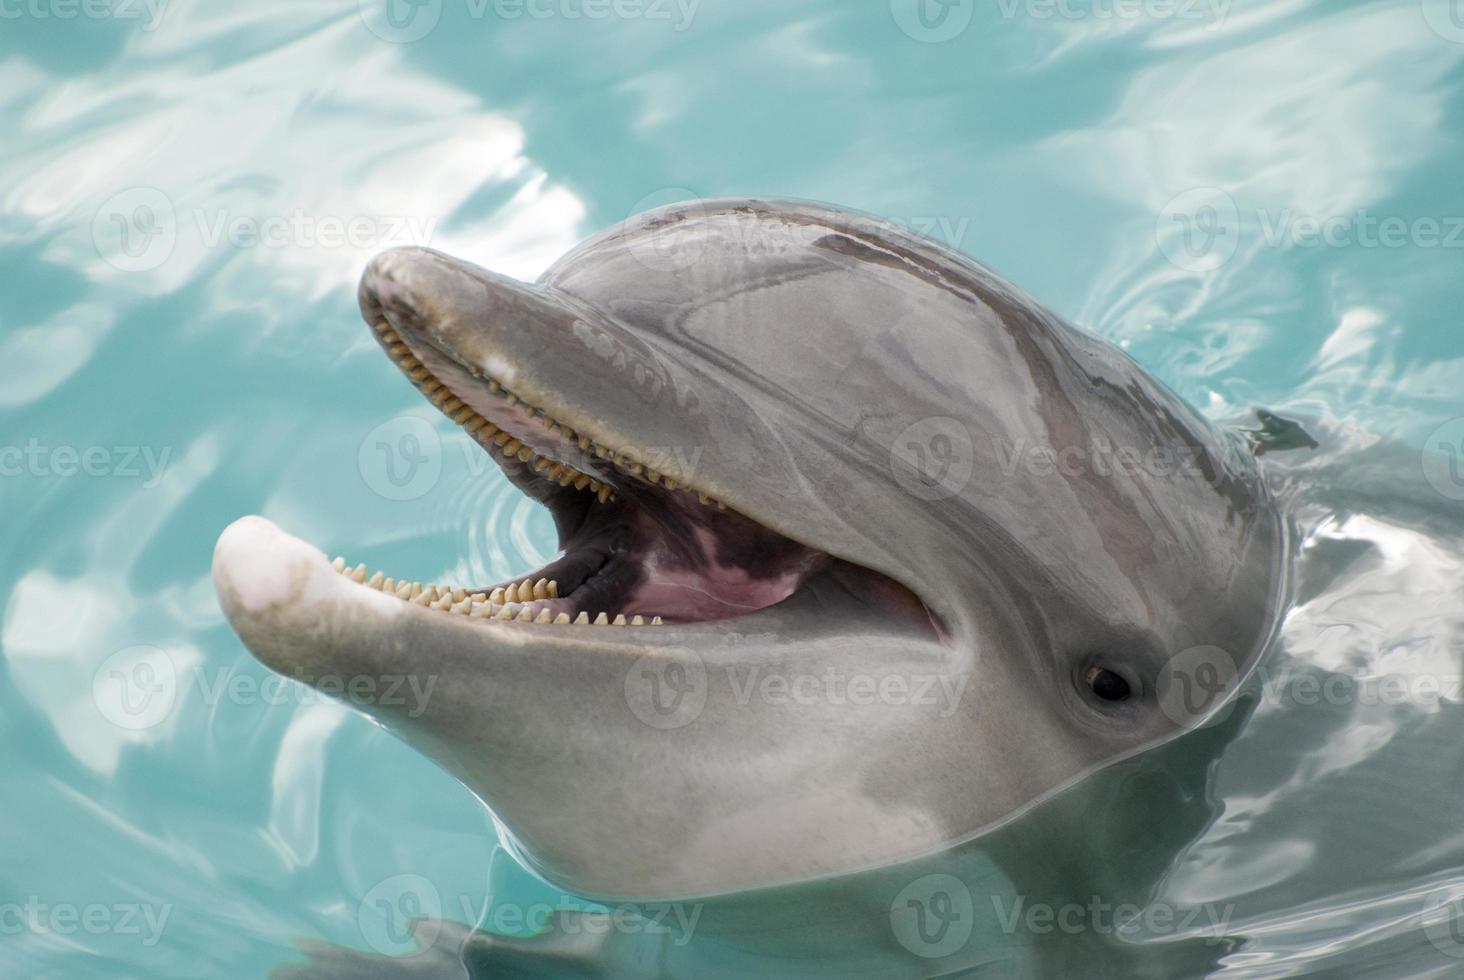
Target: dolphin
[[865, 554]]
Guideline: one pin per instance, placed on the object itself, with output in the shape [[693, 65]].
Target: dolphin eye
[[1106, 684]]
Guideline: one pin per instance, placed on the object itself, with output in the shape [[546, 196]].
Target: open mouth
[[641, 544]]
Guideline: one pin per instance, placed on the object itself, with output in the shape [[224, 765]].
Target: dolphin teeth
[[526, 615], [656, 621], [339, 564], [545, 616], [377, 580], [498, 597], [359, 573], [425, 599], [602, 620], [541, 589], [389, 586], [505, 614], [482, 610], [619, 620], [562, 619], [553, 589], [637, 621], [583, 619], [404, 591], [483, 430]]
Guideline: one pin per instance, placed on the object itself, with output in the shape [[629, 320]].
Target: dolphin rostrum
[[865, 553]]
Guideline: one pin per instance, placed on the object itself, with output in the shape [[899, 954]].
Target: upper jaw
[[458, 332], [446, 323]]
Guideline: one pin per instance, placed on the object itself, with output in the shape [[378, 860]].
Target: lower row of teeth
[[511, 603], [490, 437]]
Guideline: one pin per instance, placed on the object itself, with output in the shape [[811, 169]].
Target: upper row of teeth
[[491, 437], [511, 603]]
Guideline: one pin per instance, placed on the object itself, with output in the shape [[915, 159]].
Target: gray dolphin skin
[[899, 554]]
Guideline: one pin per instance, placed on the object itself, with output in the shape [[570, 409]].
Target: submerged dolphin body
[[967, 544]]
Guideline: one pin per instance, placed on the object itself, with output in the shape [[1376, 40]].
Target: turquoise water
[[1260, 201]]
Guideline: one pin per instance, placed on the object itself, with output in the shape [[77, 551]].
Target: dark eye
[[1106, 684]]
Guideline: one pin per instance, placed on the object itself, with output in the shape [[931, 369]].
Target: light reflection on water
[[186, 204]]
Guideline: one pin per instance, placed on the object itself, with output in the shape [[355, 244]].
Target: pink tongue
[[713, 590]]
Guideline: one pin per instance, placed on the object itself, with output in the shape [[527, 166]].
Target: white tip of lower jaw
[[258, 566], [260, 571]]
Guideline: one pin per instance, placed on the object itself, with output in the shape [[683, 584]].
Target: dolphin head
[[896, 554]]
